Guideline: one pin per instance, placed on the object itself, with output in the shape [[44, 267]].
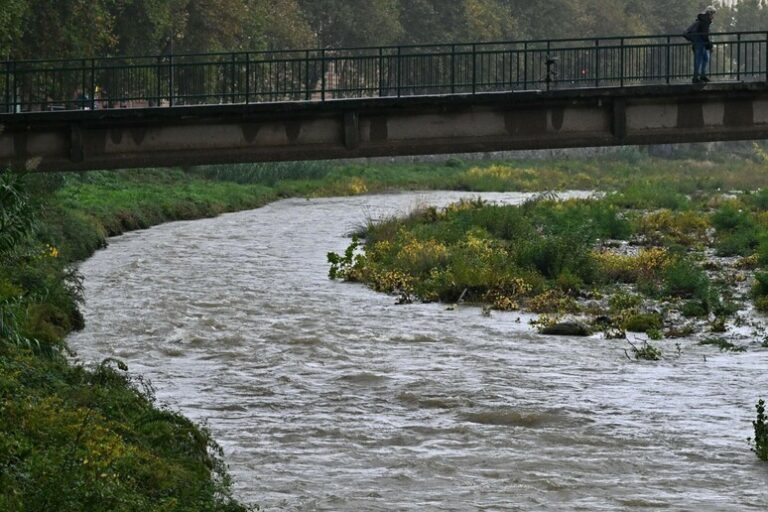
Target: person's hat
[[710, 10]]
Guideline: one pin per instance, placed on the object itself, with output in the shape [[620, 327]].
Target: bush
[[684, 279], [759, 291], [643, 322], [650, 195], [760, 425], [646, 352], [723, 344], [737, 232]]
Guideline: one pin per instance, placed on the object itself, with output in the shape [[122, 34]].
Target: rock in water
[[567, 329]]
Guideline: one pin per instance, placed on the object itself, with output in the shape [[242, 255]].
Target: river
[[327, 396]]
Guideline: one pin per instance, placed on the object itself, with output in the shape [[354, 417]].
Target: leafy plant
[[723, 344], [343, 265], [760, 442], [759, 291], [646, 352], [683, 278]]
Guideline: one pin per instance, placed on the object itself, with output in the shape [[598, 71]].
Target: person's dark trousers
[[700, 62]]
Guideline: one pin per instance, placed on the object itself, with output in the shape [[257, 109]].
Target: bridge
[[121, 112]]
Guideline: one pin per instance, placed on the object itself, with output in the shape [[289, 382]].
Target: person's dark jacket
[[698, 33]]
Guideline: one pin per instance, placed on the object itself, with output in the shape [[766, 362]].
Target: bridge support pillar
[[351, 130], [76, 147], [619, 125]]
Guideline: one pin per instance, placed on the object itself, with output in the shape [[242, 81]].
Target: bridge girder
[[155, 137]]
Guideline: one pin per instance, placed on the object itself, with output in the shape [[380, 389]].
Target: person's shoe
[[696, 80], [704, 78]]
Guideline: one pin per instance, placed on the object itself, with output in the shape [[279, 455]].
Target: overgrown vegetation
[[513, 257]]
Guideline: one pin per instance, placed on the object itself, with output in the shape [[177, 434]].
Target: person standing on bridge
[[698, 35]]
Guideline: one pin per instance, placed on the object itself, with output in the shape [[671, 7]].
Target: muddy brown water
[[328, 396]]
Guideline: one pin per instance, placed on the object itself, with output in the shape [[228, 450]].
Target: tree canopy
[[37, 29]]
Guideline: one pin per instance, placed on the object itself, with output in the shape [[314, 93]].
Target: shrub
[[643, 322], [740, 242], [624, 301], [650, 195], [759, 200], [730, 217], [723, 344], [680, 227], [684, 279], [737, 231], [554, 255], [646, 352], [345, 266], [760, 425], [760, 291], [762, 249], [694, 309]]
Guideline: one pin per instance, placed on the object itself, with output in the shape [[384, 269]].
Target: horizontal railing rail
[[371, 72]]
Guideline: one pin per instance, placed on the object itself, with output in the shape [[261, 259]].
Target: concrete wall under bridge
[[150, 137]]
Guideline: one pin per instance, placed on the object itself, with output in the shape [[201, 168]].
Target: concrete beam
[[107, 139]]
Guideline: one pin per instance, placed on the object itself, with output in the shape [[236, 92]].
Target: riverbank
[[62, 417]]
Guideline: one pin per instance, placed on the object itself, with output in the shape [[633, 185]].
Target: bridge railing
[[375, 72]]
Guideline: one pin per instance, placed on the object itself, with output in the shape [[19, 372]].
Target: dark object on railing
[[376, 72]]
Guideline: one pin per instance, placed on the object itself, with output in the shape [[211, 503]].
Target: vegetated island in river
[[668, 258], [73, 438]]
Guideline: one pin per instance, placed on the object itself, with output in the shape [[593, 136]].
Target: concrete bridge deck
[[209, 134]]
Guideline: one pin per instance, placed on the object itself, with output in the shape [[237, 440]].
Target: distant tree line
[[34, 29]]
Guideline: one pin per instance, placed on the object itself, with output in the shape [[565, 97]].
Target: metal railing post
[[766, 56], [597, 63], [93, 84], [307, 85], [83, 84], [232, 76], [8, 87], [549, 65], [621, 63], [738, 57], [158, 80], [170, 80], [15, 88], [525, 66], [399, 70], [669, 60], [453, 69], [381, 71], [322, 86], [474, 68], [247, 78]]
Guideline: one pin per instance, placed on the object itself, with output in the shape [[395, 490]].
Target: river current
[[327, 396]]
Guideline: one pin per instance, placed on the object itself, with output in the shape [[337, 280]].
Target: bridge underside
[[109, 139]]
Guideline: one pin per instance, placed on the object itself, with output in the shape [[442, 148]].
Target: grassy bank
[[74, 439], [93, 439]]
